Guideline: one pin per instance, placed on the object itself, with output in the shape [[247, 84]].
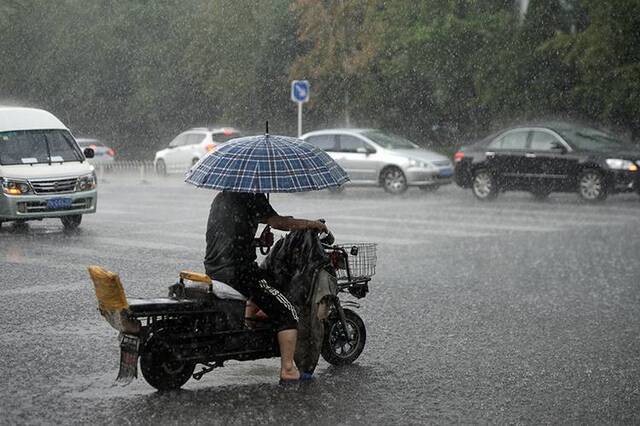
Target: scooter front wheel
[[338, 347], [161, 368]]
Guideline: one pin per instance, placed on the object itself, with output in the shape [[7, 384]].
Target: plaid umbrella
[[266, 163]]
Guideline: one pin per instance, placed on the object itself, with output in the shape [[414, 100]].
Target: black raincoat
[[303, 273]]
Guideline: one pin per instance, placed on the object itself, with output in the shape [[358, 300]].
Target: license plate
[[446, 172], [59, 203]]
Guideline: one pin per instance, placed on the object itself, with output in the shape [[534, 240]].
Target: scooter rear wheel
[[341, 349], [160, 367]]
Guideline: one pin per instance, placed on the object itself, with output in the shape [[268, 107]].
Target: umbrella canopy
[[267, 163]]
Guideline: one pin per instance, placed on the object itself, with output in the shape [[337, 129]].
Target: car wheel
[[71, 222], [591, 186], [161, 168], [430, 188], [393, 180], [484, 185]]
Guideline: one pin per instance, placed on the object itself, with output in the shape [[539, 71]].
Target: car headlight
[[86, 182], [417, 163], [619, 164], [15, 187]]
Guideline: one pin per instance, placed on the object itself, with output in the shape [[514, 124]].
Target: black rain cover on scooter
[[293, 261], [298, 264]]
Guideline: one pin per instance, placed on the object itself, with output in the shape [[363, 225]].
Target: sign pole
[[299, 119]]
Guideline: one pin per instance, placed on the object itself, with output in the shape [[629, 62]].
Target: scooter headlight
[[15, 187]]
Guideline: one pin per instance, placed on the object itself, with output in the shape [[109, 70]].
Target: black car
[[547, 158]]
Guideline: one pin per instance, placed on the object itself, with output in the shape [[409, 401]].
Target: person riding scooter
[[231, 258]]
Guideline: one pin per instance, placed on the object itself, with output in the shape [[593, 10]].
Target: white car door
[[356, 158], [173, 157], [192, 149]]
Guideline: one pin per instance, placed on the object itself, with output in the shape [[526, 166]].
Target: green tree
[[239, 58], [606, 57], [336, 51]]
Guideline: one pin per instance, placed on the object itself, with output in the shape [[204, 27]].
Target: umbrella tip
[[266, 132]]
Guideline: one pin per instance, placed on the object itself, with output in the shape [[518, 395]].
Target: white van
[[43, 172]]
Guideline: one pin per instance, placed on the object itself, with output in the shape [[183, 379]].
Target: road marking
[[179, 235], [41, 261], [389, 235], [458, 231], [379, 240], [122, 242], [575, 214], [39, 289]]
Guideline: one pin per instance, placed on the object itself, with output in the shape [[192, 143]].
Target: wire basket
[[361, 265]]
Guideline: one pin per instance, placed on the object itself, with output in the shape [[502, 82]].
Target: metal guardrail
[[125, 165], [144, 169]]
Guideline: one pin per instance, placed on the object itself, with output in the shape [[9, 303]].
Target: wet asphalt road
[[515, 311]]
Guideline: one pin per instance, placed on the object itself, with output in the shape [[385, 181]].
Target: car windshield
[[37, 146], [389, 141], [594, 140]]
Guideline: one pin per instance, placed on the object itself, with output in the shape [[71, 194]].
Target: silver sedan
[[372, 157]]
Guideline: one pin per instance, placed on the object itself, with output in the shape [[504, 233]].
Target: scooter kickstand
[[208, 368]]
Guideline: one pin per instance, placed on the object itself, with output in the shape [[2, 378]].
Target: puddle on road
[[102, 385]]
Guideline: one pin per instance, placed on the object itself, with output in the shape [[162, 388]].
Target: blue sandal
[[306, 377]]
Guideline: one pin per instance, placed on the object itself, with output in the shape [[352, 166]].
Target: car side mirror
[[89, 153]]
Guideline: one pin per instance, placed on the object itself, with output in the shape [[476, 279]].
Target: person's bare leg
[[250, 310], [287, 341]]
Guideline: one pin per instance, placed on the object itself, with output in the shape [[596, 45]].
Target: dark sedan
[[552, 157]]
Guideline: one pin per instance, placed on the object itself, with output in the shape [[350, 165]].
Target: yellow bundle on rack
[[112, 302], [109, 290]]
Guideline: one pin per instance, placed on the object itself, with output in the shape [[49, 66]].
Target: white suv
[[189, 147]]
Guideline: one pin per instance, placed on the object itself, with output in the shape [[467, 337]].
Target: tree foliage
[[137, 72]]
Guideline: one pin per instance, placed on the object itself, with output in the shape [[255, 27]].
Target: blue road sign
[[300, 91]]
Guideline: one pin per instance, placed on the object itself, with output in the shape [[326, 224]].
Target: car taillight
[[458, 156], [210, 147], [111, 152]]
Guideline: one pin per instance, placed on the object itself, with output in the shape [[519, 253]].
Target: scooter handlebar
[[327, 238]]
